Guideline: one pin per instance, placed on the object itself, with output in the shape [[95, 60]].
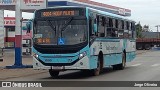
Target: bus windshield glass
[[66, 31]]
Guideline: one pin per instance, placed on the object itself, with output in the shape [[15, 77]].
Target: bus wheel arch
[[101, 59], [122, 65]]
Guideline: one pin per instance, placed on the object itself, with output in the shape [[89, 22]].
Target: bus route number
[[47, 14]]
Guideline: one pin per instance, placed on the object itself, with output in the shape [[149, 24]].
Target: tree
[[139, 30], [146, 28]]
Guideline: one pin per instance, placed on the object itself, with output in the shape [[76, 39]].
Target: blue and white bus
[[81, 38]]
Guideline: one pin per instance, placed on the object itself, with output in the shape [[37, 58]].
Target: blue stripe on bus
[[107, 40], [112, 59]]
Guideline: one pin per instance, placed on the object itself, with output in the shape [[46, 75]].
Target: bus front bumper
[[81, 64]]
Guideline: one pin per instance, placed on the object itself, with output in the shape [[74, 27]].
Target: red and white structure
[[9, 24], [9, 32]]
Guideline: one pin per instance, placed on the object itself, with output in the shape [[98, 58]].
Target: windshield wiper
[[68, 22], [52, 26]]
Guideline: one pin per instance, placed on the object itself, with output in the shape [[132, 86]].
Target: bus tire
[[53, 73], [96, 71], [122, 65]]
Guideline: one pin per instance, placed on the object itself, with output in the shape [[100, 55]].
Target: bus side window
[[110, 27], [121, 29], [122, 24], [130, 31], [116, 23], [106, 26], [133, 26], [101, 26], [127, 25], [126, 31], [114, 27], [133, 30]]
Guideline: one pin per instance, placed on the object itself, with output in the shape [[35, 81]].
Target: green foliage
[[138, 30]]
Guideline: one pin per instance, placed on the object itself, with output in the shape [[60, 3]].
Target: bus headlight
[[81, 55], [36, 55]]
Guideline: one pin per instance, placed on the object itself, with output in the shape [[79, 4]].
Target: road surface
[[145, 67]]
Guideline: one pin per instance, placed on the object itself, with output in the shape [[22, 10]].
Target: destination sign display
[[60, 13]]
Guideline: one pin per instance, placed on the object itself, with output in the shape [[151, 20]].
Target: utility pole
[[158, 30], [157, 27]]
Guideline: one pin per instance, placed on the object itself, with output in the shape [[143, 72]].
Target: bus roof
[[111, 15], [96, 10]]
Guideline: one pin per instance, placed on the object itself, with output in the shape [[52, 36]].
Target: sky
[[147, 12]]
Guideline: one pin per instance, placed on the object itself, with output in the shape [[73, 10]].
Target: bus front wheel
[[96, 71], [53, 73]]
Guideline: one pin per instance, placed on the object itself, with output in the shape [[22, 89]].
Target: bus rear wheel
[[122, 65], [53, 73]]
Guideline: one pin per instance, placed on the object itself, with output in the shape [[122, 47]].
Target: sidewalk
[[8, 60]]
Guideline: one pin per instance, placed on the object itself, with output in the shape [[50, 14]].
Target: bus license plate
[[57, 67]]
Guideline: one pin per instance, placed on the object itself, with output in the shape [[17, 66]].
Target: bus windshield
[[67, 31]]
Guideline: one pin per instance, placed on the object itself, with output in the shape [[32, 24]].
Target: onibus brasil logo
[[21, 84]]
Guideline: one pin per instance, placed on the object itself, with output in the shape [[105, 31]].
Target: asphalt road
[[145, 67]]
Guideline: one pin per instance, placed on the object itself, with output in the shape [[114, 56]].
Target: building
[[9, 31], [10, 5]]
